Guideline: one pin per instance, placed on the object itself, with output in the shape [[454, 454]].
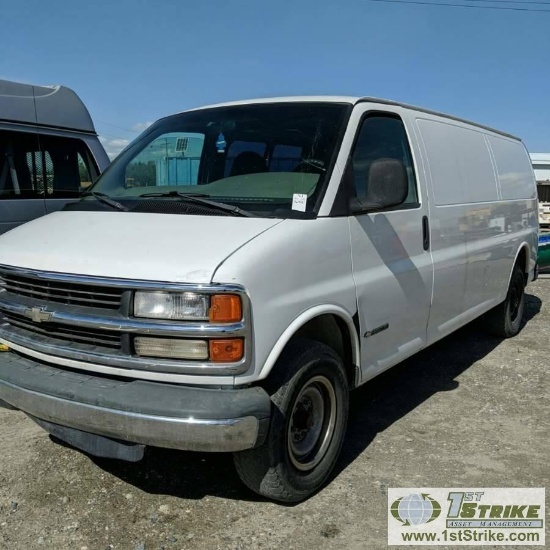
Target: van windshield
[[271, 159]]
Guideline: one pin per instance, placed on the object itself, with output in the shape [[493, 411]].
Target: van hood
[[153, 247]]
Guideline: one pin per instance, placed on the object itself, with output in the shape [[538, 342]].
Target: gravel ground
[[470, 411]]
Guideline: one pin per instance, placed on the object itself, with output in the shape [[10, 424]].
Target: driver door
[[392, 264]]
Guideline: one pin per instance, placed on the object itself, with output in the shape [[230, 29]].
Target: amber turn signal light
[[225, 308], [226, 351]]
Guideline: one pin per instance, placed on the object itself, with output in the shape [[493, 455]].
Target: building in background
[[541, 166]]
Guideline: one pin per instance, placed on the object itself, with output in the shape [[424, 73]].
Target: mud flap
[[93, 444]]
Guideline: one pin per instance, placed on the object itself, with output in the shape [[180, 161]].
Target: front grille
[[89, 320], [75, 335], [77, 294]]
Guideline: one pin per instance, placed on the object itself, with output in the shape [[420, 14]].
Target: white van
[[241, 267], [49, 151]]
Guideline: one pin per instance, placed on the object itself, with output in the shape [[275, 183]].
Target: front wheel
[[310, 397], [505, 319]]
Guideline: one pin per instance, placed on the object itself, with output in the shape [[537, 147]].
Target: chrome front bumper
[[149, 413]]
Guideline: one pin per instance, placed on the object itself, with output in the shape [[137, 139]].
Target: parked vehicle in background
[[250, 263], [49, 151], [544, 214], [541, 167], [543, 257]]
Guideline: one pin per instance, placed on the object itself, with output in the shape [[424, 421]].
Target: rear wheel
[[505, 319], [308, 422]]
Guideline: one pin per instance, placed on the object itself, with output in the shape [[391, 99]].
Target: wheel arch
[[522, 259], [328, 324]]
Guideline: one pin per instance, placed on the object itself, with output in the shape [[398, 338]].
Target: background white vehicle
[[245, 265], [544, 214], [541, 167]]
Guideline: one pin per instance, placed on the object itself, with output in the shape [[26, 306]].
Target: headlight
[[185, 306], [188, 306]]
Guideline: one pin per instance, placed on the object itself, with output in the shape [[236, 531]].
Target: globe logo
[[415, 509]]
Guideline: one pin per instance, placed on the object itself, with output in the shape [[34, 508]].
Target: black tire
[[505, 320], [310, 396]]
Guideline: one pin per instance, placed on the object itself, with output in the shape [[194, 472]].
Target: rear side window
[[18, 178], [43, 166], [64, 165], [382, 137]]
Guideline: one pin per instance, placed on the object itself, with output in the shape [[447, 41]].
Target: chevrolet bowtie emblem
[[37, 314]]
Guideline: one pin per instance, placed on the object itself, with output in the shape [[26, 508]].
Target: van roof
[[353, 100], [51, 106]]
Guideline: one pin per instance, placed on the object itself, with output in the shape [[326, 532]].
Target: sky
[[134, 61]]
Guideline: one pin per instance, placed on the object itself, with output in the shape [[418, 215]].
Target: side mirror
[[387, 186]]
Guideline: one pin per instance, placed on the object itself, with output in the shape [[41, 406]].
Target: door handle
[[425, 233]]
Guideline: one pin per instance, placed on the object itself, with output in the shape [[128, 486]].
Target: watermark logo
[[476, 517], [415, 509]]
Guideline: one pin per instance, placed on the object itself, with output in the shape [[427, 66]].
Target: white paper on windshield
[[299, 202]]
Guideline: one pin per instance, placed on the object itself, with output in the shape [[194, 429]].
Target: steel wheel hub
[[312, 423]]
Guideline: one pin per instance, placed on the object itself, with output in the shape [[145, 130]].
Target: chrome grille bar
[[71, 334], [62, 292]]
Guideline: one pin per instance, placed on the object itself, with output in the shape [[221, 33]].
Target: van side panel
[[14, 213], [519, 189], [476, 178], [17, 102], [459, 162], [477, 227], [447, 239]]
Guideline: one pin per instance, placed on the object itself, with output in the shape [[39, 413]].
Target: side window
[[40, 166], [64, 166], [20, 177], [84, 174], [382, 137]]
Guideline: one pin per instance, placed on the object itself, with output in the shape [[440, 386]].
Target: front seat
[[248, 162]]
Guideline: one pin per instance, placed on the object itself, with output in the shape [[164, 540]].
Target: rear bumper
[[149, 413]]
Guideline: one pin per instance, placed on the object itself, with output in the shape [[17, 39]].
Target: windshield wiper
[[105, 199], [197, 198]]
